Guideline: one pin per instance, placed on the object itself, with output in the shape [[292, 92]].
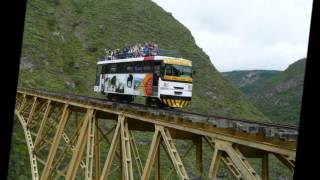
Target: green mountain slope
[[64, 38], [280, 97], [248, 81]]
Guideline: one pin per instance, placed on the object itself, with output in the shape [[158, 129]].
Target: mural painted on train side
[[134, 84]]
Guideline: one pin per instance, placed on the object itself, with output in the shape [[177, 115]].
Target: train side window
[[129, 69], [156, 69], [113, 68], [138, 68], [168, 70], [121, 68], [104, 69], [147, 67]]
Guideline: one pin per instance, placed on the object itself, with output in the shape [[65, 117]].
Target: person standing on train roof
[[146, 49], [117, 53], [156, 49], [106, 54], [110, 54], [126, 50]]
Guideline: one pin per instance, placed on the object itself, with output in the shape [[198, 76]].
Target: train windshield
[[178, 70]]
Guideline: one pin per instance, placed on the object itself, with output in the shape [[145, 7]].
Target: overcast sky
[[246, 34]]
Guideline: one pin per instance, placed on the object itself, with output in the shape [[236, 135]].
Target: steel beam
[[112, 150], [76, 157], [199, 166], [288, 161], [55, 143], [152, 154], [97, 151], [182, 158], [157, 165], [215, 162], [125, 149], [238, 159], [42, 125], [24, 99], [34, 104], [173, 153], [33, 158], [265, 166], [135, 153], [90, 149]]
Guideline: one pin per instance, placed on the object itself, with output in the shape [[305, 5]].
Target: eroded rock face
[[288, 85], [70, 84], [76, 66], [249, 79], [26, 64]]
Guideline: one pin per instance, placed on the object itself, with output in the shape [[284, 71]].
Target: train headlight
[[165, 84], [190, 87]]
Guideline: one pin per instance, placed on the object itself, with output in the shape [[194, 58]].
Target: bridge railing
[[153, 52]]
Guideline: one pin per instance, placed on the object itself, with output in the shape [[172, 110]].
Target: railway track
[[284, 132]]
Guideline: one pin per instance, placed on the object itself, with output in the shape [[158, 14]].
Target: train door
[[98, 72], [102, 79], [156, 76]]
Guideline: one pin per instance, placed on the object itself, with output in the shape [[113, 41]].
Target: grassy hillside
[[64, 38], [249, 81], [280, 97]]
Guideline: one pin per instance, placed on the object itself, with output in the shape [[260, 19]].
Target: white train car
[[162, 80]]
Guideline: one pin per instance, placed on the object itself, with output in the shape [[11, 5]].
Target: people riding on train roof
[[137, 50]]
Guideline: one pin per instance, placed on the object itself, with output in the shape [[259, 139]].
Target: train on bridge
[[163, 80]]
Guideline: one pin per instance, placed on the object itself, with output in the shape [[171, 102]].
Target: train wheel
[[111, 97], [128, 98], [153, 102]]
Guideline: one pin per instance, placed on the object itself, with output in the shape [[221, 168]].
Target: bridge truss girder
[[66, 138]]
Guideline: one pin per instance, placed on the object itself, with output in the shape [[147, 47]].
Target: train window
[[113, 68], [121, 68], [129, 69], [156, 69], [147, 68], [104, 69], [98, 72], [138, 67], [168, 70]]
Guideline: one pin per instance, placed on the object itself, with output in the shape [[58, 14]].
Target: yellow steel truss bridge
[[67, 136]]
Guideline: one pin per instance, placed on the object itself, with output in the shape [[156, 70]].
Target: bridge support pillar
[[33, 108], [55, 143], [157, 164], [265, 166], [111, 153], [234, 156], [125, 149], [199, 166], [97, 151], [214, 167], [90, 148], [43, 123], [286, 160], [135, 153], [79, 148], [152, 154]]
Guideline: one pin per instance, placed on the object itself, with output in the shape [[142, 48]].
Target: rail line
[[283, 131]]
